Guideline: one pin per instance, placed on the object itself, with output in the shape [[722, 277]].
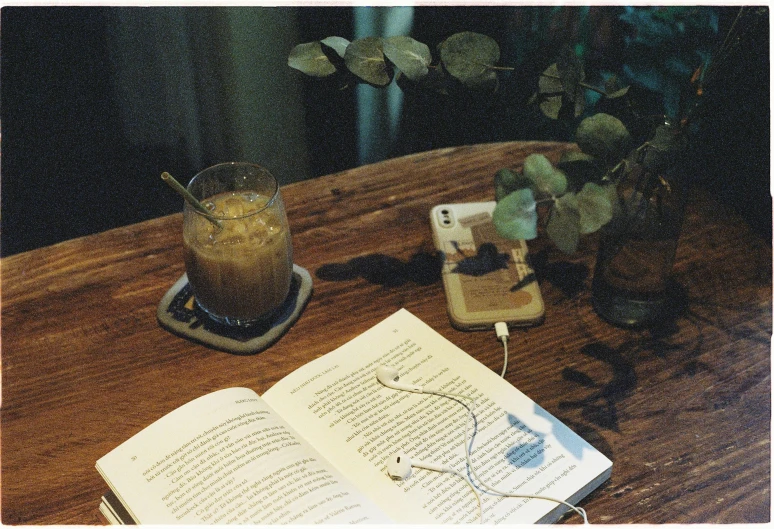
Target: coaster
[[179, 314]]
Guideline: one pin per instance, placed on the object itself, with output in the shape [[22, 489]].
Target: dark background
[[63, 145]]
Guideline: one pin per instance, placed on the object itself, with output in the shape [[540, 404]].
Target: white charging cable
[[501, 329]]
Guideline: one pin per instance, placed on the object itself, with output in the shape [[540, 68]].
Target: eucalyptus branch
[[580, 83], [501, 68], [611, 175]]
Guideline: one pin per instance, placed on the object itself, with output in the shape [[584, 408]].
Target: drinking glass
[[239, 257]]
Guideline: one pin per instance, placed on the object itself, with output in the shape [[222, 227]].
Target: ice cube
[[232, 207]]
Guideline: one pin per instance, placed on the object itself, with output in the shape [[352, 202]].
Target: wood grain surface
[[683, 411]]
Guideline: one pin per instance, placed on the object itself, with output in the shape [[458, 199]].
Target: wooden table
[[683, 411]]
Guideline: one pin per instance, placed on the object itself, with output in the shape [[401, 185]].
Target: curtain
[[213, 83]]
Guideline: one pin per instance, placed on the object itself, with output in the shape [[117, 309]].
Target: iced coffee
[[239, 257]]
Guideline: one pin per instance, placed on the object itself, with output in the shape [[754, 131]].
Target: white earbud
[[389, 377], [399, 466]]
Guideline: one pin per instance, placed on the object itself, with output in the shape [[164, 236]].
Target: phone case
[[487, 278]]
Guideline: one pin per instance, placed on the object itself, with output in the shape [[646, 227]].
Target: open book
[[314, 448]]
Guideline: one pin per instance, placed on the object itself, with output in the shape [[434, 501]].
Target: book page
[[227, 457], [357, 423]]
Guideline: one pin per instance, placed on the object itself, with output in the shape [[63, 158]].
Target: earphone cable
[[468, 451], [482, 483], [475, 491], [505, 357]]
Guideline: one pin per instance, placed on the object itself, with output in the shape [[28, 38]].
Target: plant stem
[[504, 68], [580, 83]]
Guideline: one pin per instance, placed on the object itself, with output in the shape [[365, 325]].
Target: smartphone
[[487, 278]]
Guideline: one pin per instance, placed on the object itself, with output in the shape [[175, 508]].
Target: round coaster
[[179, 314]]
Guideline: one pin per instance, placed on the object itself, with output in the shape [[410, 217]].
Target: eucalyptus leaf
[[580, 168], [365, 58], [664, 148], [508, 181], [469, 57], [554, 93], [579, 102], [515, 216], [564, 223], [613, 90], [611, 84], [550, 82], [594, 207], [411, 57], [337, 44], [571, 74], [310, 59], [334, 48], [547, 179], [603, 136], [618, 93], [551, 106], [434, 81], [574, 156], [550, 90]]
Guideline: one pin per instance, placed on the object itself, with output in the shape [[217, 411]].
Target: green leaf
[[434, 81], [574, 156], [337, 44], [618, 93], [515, 216], [571, 73], [550, 90], [550, 82], [365, 58], [334, 48], [310, 59], [410, 56], [555, 90], [664, 148], [564, 223], [580, 168], [469, 57], [594, 207], [603, 136], [547, 179], [508, 181]]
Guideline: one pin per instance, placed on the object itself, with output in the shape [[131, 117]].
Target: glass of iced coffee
[[238, 256]]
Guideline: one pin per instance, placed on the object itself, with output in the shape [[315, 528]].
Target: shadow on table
[[600, 406], [423, 269], [568, 277]]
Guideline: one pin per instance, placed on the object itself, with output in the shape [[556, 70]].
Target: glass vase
[[632, 284]]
